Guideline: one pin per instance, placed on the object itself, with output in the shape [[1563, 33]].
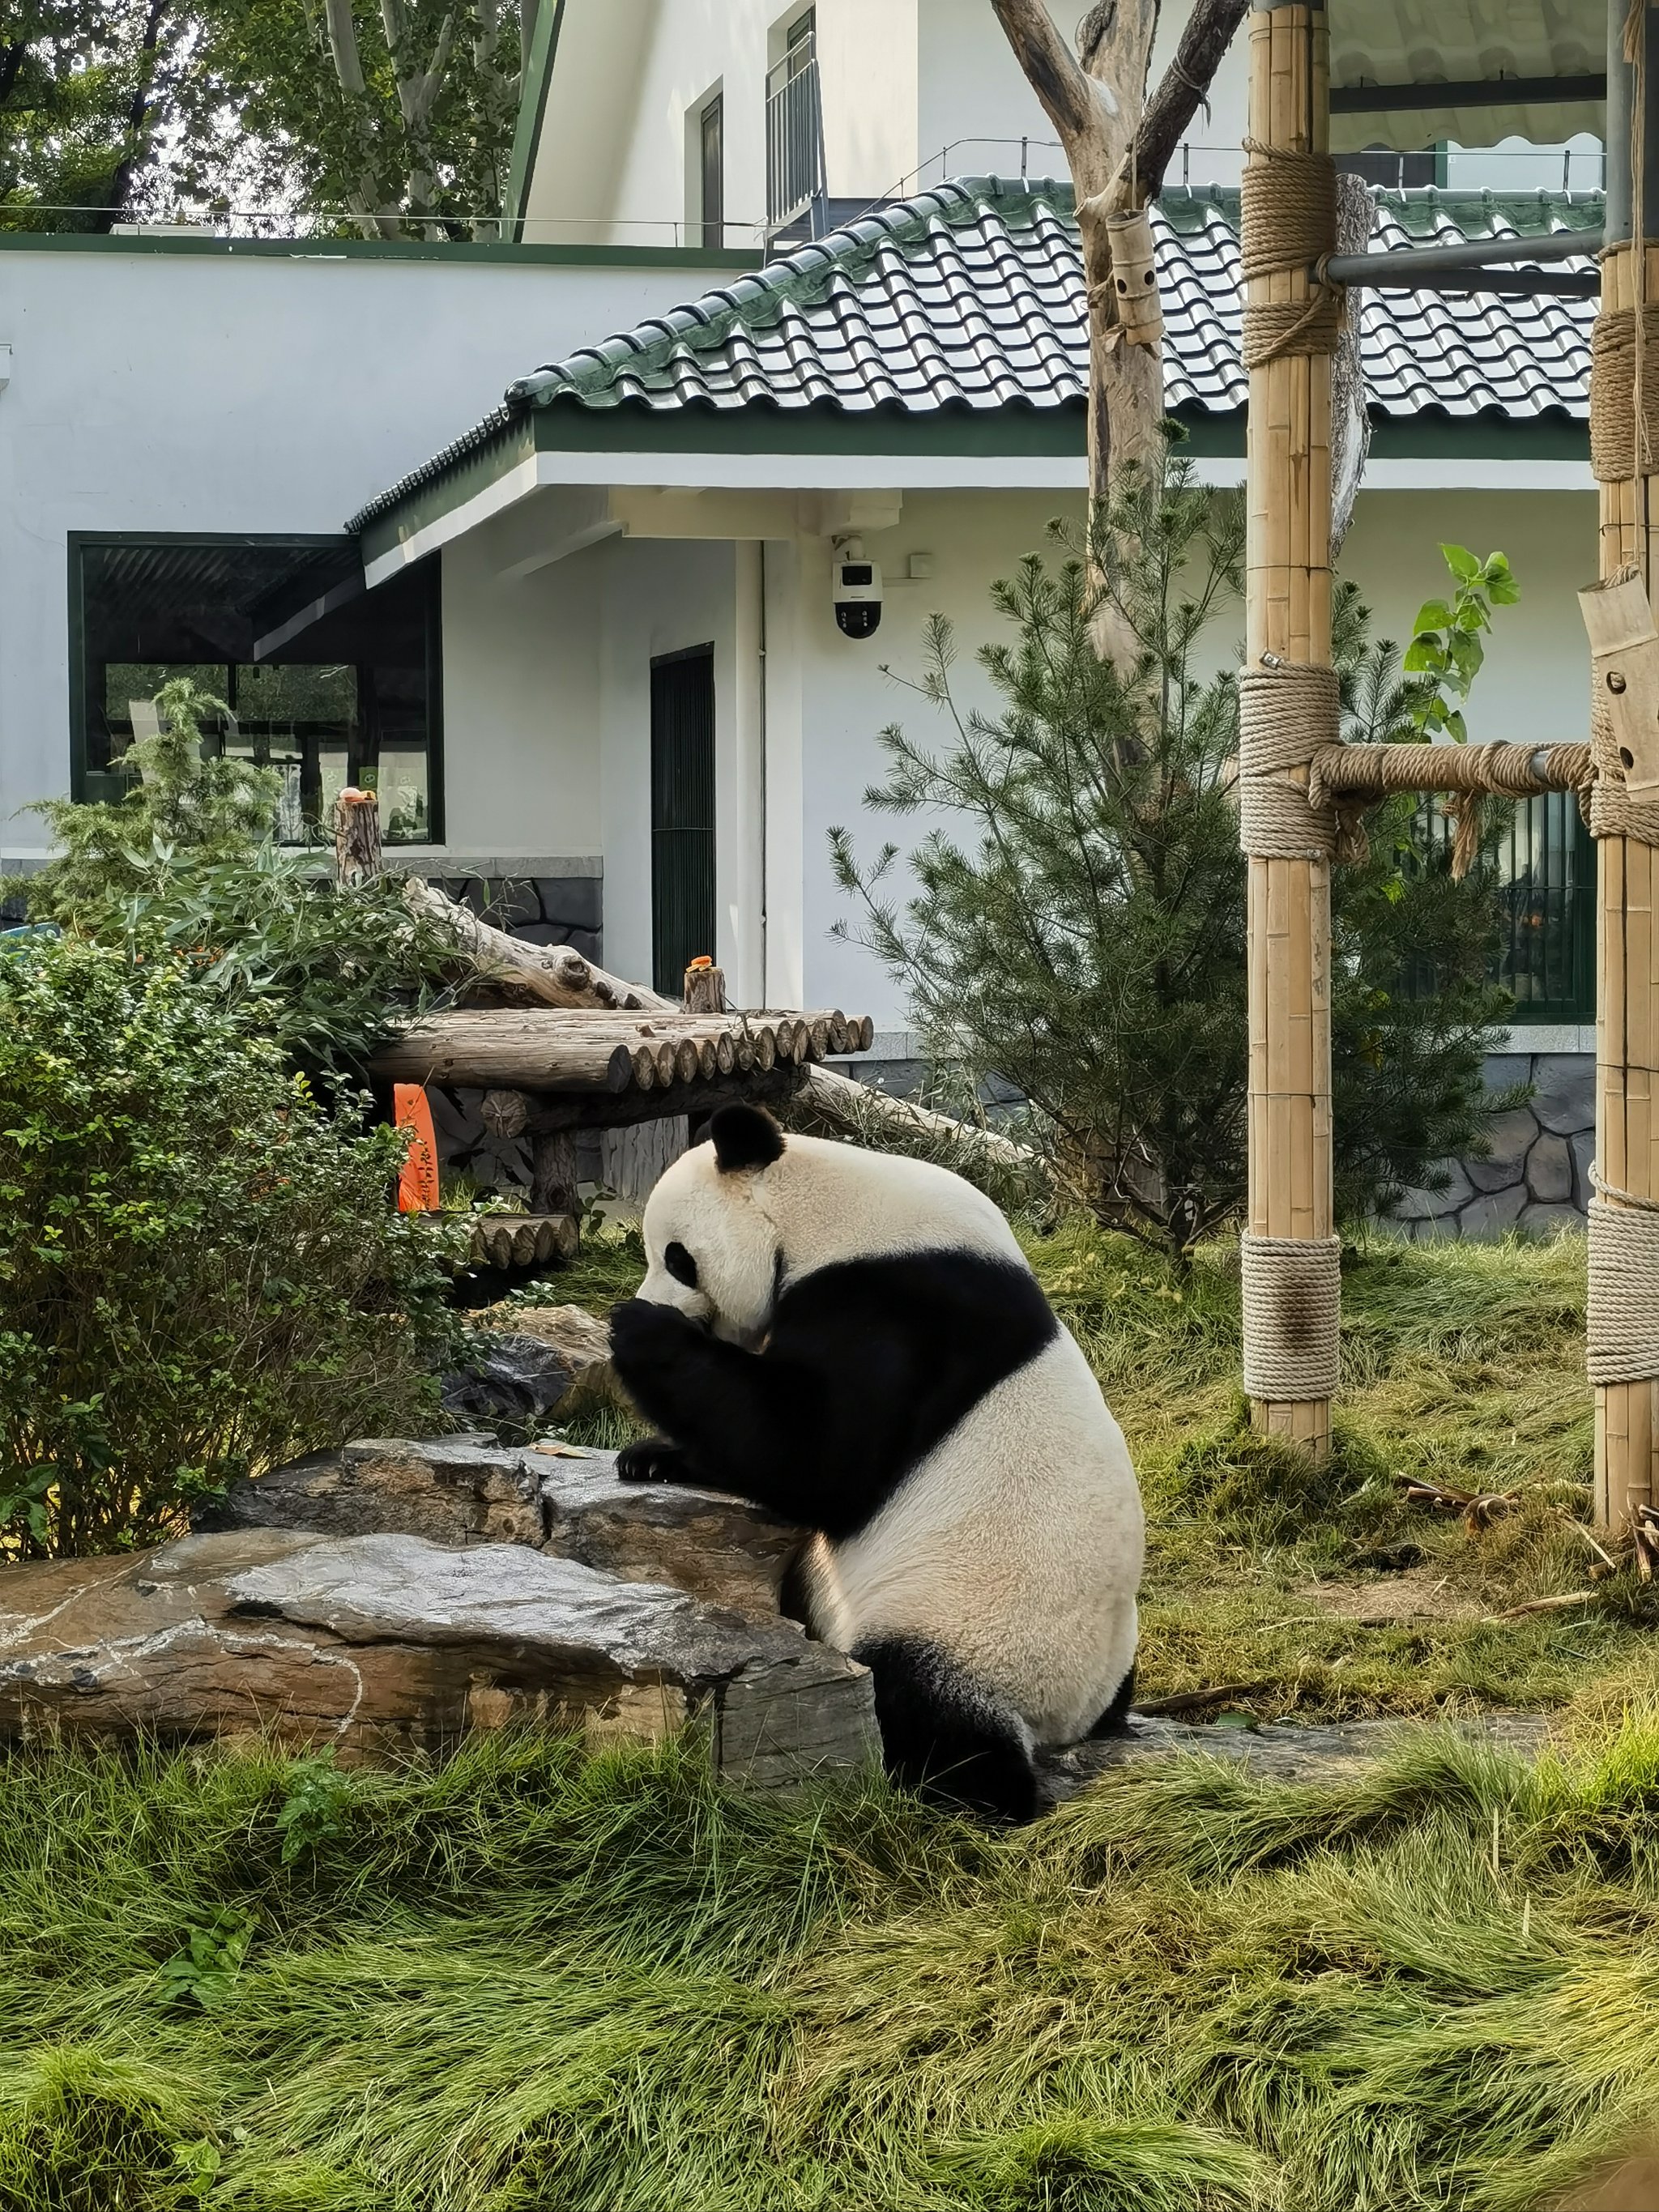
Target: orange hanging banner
[[418, 1185]]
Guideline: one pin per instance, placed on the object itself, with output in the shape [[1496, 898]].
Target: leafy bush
[[200, 1272], [1085, 939], [185, 865]]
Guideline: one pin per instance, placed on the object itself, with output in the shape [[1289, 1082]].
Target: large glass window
[[329, 682]]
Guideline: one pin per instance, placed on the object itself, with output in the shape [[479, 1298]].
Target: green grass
[[537, 1978], [1463, 1365], [533, 1980]]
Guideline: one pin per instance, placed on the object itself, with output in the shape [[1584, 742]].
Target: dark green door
[[682, 814]]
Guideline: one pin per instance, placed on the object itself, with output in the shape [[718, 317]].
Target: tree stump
[[356, 836]]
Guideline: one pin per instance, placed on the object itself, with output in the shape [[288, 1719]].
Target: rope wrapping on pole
[[1288, 221], [1291, 1311], [1621, 1319], [1615, 344], [1286, 715]]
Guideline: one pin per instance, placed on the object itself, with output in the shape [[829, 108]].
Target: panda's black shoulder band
[[745, 1137]]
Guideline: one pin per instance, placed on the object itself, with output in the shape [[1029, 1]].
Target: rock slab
[[470, 1490], [387, 1643]]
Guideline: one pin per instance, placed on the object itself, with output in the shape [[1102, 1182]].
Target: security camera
[[855, 585]]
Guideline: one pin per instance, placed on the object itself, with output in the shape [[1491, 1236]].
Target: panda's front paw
[[645, 1339], [654, 1458]]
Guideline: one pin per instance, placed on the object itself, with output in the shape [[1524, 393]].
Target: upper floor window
[[794, 125], [328, 682], [711, 150]]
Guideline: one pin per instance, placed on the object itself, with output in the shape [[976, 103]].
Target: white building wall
[[662, 596], [208, 392], [913, 91], [1534, 686], [522, 704]]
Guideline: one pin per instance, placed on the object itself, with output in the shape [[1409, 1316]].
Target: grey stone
[[716, 1547], [1427, 1205], [460, 1491], [1564, 1101], [1501, 1070], [448, 1490], [1511, 1137], [1550, 1220], [1492, 1216], [1278, 1752], [1584, 1151], [526, 1374], [385, 1642], [1549, 1171]]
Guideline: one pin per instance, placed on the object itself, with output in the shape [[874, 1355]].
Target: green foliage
[[204, 1971], [394, 118], [82, 86], [184, 868], [200, 1273], [182, 796], [312, 1811], [1446, 647], [1081, 934], [534, 1977]]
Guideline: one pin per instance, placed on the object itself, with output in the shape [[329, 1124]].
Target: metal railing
[[794, 135], [1546, 861]]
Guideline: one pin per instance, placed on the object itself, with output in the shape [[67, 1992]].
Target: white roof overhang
[[1554, 52]]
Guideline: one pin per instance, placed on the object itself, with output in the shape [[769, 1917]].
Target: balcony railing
[[794, 136]]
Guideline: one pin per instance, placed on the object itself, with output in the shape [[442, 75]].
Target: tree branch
[[1054, 75], [1183, 89]]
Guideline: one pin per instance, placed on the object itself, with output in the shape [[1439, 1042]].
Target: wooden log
[[552, 1171], [643, 1061], [356, 836], [855, 1106], [625, 1109], [524, 1051], [688, 1062], [504, 1113], [555, 973], [519, 1240], [705, 988], [1287, 613]]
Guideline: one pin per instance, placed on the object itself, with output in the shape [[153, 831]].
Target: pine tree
[[1082, 936]]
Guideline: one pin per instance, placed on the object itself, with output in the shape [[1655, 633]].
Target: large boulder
[[536, 1364], [385, 1643], [555, 1498]]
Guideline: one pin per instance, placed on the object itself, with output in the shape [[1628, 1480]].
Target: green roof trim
[[387, 249], [532, 107], [472, 473]]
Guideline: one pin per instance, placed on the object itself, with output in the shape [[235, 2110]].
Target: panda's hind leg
[[1114, 1721], [945, 1735]]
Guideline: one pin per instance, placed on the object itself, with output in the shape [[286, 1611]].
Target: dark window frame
[[78, 541], [703, 652], [713, 223]]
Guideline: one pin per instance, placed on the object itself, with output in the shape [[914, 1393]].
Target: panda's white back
[[1017, 1546]]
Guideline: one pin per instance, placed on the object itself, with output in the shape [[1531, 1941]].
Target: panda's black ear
[[745, 1137]]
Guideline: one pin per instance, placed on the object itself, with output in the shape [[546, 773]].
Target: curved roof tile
[[970, 295]]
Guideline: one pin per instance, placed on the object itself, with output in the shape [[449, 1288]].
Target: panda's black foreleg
[[943, 1736], [731, 1419]]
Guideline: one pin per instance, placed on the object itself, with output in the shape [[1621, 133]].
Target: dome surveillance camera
[[856, 585]]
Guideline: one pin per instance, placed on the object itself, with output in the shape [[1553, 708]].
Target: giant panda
[[854, 1342]]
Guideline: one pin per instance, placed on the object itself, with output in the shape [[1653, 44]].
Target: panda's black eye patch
[[681, 1265]]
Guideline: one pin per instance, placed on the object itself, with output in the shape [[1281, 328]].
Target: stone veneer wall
[[1538, 1175]]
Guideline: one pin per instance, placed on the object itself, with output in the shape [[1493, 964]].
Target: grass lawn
[[531, 1980]]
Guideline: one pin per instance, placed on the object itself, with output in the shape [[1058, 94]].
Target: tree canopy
[[381, 118]]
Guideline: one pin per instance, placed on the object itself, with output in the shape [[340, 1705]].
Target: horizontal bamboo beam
[[1489, 771]]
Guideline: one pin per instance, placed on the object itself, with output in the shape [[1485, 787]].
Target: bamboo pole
[[1288, 614], [1627, 875]]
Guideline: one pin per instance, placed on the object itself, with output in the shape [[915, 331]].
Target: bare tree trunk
[[1118, 144], [499, 92], [140, 118], [375, 220], [418, 95]]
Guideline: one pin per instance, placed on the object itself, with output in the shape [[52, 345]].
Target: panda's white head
[[711, 1241], [736, 1219]]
